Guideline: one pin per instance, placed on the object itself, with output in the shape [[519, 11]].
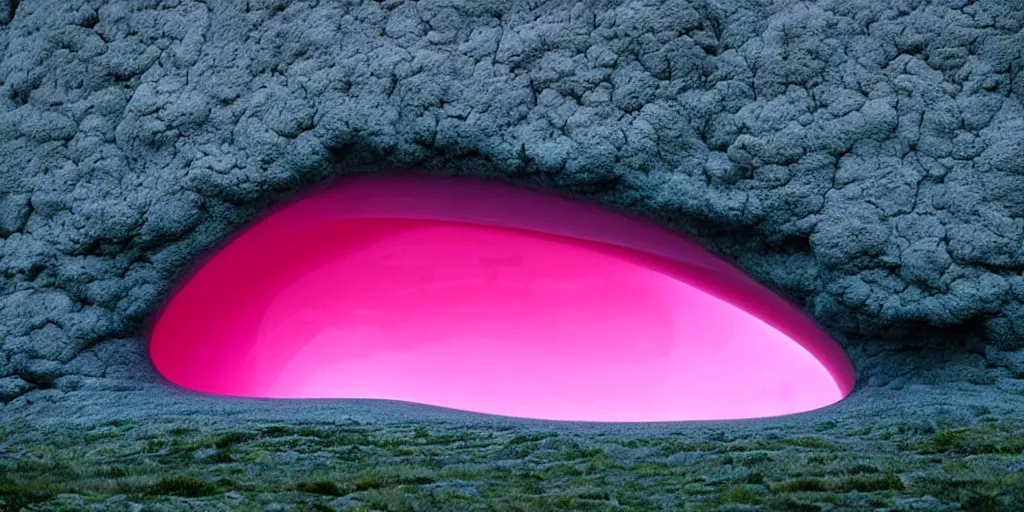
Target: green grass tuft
[[325, 487], [871, 483], [185, 486], [233, 438], [740, 494], [18, 495], [392, 476], [806, 484]]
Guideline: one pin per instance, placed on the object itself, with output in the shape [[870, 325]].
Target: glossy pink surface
[[485, 297]]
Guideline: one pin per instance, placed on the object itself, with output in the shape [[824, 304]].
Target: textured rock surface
[[864, 158]]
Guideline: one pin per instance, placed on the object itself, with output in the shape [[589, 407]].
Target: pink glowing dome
[[481, 296]]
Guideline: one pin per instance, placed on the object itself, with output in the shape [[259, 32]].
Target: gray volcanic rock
[[863, 158]]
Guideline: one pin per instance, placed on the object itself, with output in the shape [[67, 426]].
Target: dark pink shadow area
[[485, 297]]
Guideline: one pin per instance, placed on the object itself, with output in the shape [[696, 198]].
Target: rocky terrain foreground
[[863, 158]]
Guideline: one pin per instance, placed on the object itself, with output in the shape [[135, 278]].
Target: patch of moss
[[755, 458], [313, 432], [816, 443], [391, 476], [500, 481], [50, 467], [982, 438], [155, 446], [740, 494], [116, 423], [822, 460], [529, 438], [806, 484], [956, 466], [325, 487], [669, 446], [942, 487], [390, 500], [519, 451], [223, 455], [871, 483], [754, 478], [591, 493], [182, 485], [858, 469], [974, 491], [120, 471], [982, 379], [352, 454], [650, 469], [980, 410], [600, 464], [391, 463], [17, 495], [790, 504], [109, 430], [232, 438], [562, 469], [575, 452], [225, 482], [826, 425], [459, 437], [460, 473], [984, 500], [277, 431]]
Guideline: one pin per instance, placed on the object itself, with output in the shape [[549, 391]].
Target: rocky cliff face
[[863, 158]]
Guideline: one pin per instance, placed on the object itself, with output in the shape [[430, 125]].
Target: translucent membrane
[[485, 297]]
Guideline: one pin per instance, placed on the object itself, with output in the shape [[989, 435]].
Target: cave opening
[[486, 297]]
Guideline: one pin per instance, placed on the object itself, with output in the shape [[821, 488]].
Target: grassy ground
[[120, 465]]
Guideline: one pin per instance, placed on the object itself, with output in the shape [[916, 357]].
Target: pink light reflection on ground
[[484, 297]]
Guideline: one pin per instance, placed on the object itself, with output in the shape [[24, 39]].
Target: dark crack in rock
[[863, 158]]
